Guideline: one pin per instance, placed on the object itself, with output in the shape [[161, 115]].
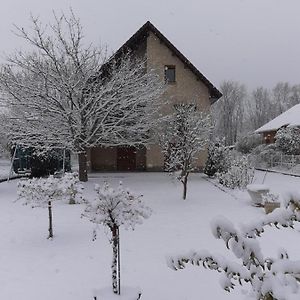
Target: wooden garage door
[[126, 159]]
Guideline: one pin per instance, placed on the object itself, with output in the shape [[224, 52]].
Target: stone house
[[185, 84]]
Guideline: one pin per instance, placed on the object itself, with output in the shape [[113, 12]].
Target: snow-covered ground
[[5, 166], [71, 265]]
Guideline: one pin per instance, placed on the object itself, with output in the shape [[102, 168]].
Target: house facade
[[185, 83]]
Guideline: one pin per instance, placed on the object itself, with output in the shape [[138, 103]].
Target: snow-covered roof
[[290, 118]]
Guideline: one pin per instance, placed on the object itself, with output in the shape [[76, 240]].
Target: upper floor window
[[170, 74]]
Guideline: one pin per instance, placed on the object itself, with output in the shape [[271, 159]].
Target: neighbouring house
[[290, 118], [185, 84]]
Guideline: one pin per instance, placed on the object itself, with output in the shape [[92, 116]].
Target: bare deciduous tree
[[259, 108], [62, 94], [229, 110]]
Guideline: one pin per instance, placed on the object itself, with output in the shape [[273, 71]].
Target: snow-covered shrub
[[247, 143], [71, 188], [238, 175], [265, 155], [218, 159], [45, 162], [37, 192], [41, 192], [288, 140], [270, 278], [115, 207]]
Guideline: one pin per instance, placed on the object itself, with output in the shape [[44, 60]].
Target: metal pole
[[119, 272]]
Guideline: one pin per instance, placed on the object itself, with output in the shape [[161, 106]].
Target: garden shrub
[[247, 143], [288, 140], [218, 159], [44, 163], [238, 175], [264, 155]]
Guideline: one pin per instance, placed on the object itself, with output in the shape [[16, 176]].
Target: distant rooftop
[[290, 118]]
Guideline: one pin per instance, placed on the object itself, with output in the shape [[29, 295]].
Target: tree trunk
[[72, 197], [268, 297], [82, 161], [50, 221], [185, 180], [114, 264]]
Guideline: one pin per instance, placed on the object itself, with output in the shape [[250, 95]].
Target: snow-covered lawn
[[71, 265], [5, 166]]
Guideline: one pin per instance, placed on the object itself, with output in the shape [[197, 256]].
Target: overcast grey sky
[[256, 42]]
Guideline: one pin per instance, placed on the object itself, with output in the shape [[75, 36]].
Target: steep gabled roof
[[290, 118], [142, 34]]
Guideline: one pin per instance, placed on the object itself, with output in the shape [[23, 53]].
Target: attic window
[[170, 74]]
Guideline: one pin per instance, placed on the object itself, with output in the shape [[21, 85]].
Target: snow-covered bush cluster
[[247, 143], [238, 175], [115, 207], [270, 278], [218, 159], [288, 140]]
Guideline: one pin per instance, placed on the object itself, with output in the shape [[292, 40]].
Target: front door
[[126, 158]]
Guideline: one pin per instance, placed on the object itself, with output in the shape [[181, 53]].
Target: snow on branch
[[270, 278], [116, 206], [182, 136], [41, 192], [37, 192]]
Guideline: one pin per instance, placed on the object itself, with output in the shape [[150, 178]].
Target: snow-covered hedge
[[238, 175]]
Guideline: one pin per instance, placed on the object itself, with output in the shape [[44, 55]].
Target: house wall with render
[[186, 88]]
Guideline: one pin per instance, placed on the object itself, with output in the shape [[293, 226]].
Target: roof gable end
[[143, 33]]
